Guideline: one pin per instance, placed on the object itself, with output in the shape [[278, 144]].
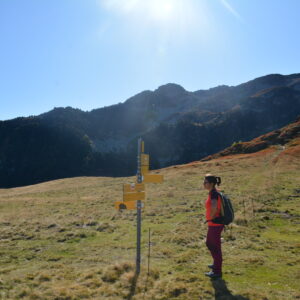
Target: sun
[[162, 10], [159, 10], [168, 20]]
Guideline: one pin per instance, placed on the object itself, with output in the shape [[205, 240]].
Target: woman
[[213, 239]]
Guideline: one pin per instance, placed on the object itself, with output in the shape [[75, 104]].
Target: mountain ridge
[[287, 137], [178, 126]]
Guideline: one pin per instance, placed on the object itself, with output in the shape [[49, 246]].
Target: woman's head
[[210, 181]]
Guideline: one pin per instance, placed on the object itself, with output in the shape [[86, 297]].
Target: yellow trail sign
[[143, 147], [133, 188], [126, 205], [145, 169], [144, 159], [153, 178], [134, 196]]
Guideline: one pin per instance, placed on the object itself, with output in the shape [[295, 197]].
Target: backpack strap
[[222, 203]]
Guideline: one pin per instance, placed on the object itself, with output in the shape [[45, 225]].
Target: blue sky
[[93, 53]]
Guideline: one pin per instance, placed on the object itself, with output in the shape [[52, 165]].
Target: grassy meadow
[[64, 240]]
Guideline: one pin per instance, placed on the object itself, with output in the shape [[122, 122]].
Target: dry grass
[[64, 240]]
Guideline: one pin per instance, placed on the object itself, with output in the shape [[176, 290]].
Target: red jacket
[[213, 194]]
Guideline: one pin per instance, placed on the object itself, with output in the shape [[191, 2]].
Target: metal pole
[[139, 168], [138, 238], [138, 211], [149, 245]]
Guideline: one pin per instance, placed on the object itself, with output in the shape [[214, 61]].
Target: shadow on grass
[[133, 286], [222, 292]]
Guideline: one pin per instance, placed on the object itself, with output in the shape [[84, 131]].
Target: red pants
[[213, 243]]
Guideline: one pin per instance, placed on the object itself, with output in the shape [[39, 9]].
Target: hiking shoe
[[212, 274], [211, 266]]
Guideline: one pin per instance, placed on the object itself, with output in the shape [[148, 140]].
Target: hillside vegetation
[[64, 240], [177, 126], [286, 136]]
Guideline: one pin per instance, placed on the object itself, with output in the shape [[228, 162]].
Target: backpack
[[227, 213]]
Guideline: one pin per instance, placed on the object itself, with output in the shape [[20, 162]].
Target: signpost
[[153, 178], [133, 187], [133, 196], [119, 205], [134, 193], [138, 209]]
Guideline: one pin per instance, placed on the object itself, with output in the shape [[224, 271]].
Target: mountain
[[287, 137], [178, 126]]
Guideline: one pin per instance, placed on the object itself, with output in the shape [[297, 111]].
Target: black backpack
[[227, 213]]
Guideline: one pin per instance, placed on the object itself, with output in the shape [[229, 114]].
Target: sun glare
[[162, 10], [154, 10], [168, 20]]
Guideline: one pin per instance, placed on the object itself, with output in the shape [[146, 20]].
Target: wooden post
[[244, 208], [253, 213]]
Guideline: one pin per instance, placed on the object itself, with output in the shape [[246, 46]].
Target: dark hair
[[213, 179]]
